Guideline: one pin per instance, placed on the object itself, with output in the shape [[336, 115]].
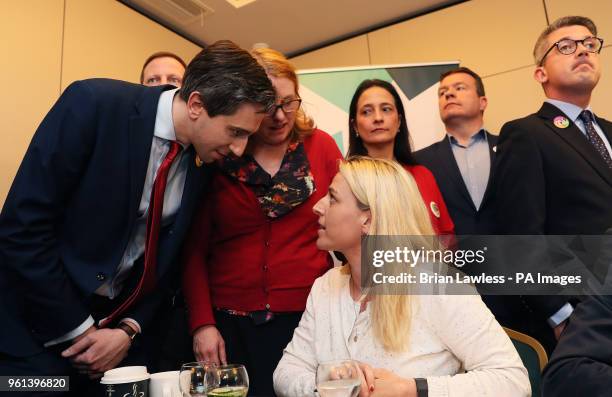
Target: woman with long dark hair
[[378, 128]]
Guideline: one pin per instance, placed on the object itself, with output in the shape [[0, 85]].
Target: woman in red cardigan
[[378, 129], [251, 257]]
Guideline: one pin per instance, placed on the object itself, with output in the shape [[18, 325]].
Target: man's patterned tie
[[594, 138]]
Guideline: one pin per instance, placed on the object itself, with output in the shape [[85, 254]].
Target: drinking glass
[[232, 381], [197, 378], [338, 379]]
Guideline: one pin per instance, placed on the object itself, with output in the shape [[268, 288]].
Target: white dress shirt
[[474, 162]]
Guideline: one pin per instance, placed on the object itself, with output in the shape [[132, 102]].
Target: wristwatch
[[131, 332], [421, 386]]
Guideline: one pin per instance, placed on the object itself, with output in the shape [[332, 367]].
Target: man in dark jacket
[[101, 203]]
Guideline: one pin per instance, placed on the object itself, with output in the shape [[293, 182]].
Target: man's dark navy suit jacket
[[74, 201]]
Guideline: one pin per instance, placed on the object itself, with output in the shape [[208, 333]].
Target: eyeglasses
[[288, 106], [569, 46]]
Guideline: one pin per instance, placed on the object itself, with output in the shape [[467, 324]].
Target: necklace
[[358, 307]]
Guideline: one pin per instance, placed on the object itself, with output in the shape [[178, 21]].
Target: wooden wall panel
[[31, 48], [104, 38]]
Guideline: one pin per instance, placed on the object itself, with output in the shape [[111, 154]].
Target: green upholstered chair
[[533, 355]]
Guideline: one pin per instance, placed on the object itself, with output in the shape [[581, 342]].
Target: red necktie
[[156, 206]]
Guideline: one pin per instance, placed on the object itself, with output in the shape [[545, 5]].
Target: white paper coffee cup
[[126, 380]]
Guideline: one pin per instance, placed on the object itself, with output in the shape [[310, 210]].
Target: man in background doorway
[[163, 68]]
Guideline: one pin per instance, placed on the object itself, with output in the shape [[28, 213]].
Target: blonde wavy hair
[[276, 65], [396, 206]]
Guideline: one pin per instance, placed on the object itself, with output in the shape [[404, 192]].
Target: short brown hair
[[161, 54], [227, 76], [541, 44], [480, 90]]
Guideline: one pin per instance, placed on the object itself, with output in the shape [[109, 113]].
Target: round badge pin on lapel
[[561, 122], [434, 208]]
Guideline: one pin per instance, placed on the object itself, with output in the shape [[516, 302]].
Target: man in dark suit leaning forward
[[554, 169], [101, 203]]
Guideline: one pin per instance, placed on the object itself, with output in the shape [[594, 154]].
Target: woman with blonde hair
[[251, 258], [449, 345]]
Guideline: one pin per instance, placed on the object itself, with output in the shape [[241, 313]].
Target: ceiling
[[290, 26]]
